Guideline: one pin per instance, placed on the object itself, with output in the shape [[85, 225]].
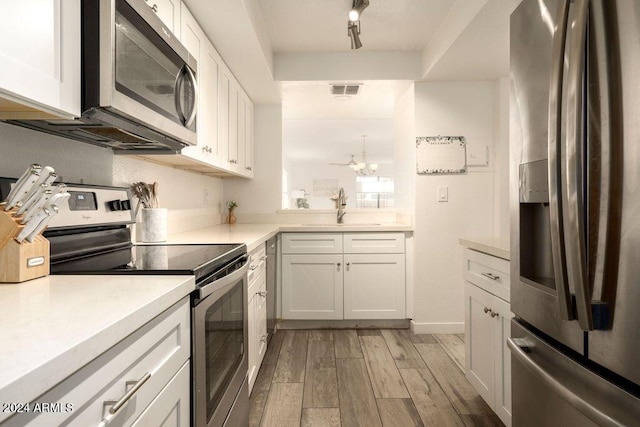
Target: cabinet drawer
[[172, 407], [311, 243], [374, 243], [159, 348], [488, 272], [257, 264], [259, 284]]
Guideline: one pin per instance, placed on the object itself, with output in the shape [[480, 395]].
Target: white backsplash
[[194, 201]]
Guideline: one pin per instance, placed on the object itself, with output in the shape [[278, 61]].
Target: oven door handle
[[223, 282]]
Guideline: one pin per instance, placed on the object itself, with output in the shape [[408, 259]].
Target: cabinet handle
[[262, 293], [264, 257], [487, 309], [128, 395], [263, 339], [338, 265], [490, 276], [494, 314], [348, 265]]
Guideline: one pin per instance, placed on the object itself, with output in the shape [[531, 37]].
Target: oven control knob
[[126, 205], [115, 205]]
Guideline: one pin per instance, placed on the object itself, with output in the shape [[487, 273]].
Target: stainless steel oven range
[[94, 237]]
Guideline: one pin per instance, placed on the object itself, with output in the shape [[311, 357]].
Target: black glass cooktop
[[199, 260]]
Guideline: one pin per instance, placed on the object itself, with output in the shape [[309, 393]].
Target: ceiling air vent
[[345, 89]]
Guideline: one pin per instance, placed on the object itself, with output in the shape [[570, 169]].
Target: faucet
[[342, 202]]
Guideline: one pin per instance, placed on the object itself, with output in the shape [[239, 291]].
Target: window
[[374, 192]]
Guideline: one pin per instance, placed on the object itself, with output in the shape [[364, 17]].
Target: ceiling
[[321, 25], [262, 40]]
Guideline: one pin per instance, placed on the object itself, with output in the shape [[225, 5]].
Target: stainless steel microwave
[[139, 87]]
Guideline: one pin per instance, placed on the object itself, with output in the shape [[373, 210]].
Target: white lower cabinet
[[257, 313], [172, 406], [323, 281], [488, 360], [374, 286], [154, 360], [312, 286]]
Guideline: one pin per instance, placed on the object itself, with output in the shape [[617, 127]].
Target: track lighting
[[354, 31], [353, 26], [357, 8]]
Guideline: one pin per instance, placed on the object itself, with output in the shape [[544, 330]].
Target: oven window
[[224, 337]]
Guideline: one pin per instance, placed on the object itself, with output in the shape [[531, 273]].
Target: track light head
[[354, 32], [357, 8]]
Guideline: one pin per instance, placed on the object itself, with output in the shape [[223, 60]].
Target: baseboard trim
[[344, 324], [437, 328]]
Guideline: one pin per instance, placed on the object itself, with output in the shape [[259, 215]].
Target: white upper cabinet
[[198, 45], [40, 56], [225, 113], [169, 13]]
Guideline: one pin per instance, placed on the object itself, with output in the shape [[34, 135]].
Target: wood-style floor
[[365, 378]]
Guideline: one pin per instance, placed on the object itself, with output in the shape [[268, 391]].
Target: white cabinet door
[[195, 40], [480, 341], [502, 360], [224, 88], [248, 150], [252, 372], [488, 360], [234, 163], [172, 407], [40, 57], [374, 286], [242, 102], [169, 12], [312, 286]]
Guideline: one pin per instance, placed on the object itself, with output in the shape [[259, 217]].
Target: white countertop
[[52, 326], [496, 246], [255, 234]]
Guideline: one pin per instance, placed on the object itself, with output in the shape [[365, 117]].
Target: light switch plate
[[443, 194]]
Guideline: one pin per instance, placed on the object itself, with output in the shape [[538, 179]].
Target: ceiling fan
[[352, 163]]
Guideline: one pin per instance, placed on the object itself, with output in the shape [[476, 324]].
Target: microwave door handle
[[194, 84], [176, 95], [575, 241], [554, 171]]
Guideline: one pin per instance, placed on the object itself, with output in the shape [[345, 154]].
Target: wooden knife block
[[24, 261]]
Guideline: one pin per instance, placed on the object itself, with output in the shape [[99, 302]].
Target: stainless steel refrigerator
[[575, 212]]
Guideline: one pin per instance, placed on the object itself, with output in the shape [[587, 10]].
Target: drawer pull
[[262, 293], [494, 314], [128, 395], [490, 276], [487, 309]]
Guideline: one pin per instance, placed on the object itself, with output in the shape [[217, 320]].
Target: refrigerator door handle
[[520, 353], [554, 135], [575, 248]]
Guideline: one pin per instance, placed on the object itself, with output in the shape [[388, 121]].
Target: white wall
[[262, 194], [501, 158], [404, 134], [450, 109], [183, 193]]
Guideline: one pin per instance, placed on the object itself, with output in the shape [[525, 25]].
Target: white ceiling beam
[[461, 14], [237, 30], [341, 66]]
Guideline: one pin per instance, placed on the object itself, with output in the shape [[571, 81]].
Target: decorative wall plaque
[[441, 155]]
